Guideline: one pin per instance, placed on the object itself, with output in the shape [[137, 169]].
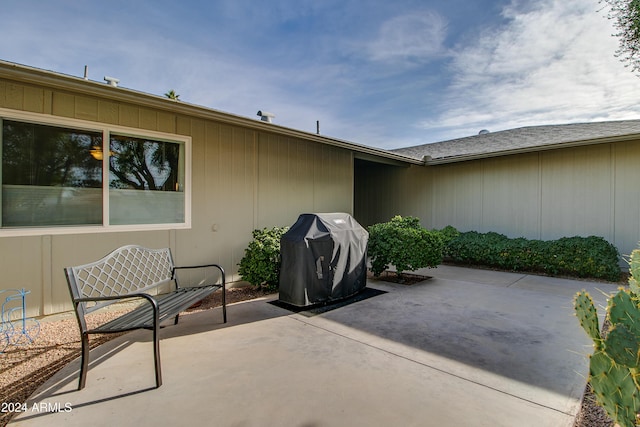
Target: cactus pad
[[614, 389], [622, 309], [588, 316], [622, 346]]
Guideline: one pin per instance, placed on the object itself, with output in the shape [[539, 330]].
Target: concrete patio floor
[[464, 348]]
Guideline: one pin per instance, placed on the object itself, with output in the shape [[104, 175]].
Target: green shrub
[[573, 256], [448, 234], [585, 257], [260, 265], [405, 244]]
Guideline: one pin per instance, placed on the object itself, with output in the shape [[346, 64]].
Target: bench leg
[[156, 353], [224, 304], [84, 365]]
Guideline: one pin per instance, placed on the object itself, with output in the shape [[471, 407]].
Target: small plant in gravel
[[405, 244], [260, 265], [614, 366]]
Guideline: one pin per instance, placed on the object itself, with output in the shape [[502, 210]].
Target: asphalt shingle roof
[[531, 138]]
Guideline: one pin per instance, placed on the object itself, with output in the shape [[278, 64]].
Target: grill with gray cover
[[324, 259]]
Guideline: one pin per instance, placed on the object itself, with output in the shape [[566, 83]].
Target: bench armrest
[[218, 266], [185, 267], [149, 298], [111, 298], [117, 297], [224, 289]]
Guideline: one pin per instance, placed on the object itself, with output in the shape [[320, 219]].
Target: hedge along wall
[[589, 257], [579, 191]]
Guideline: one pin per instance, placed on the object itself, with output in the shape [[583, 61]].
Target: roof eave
[[429, 161], [55, 80]]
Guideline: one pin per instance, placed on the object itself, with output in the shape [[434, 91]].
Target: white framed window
[[62, 176]]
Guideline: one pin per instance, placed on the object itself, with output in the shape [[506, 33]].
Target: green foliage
[[172, 95], [634, 269], [622, 346], [448, 234], [405, 244], [260, 265], [574, 256], [614, 367], [588, 316], [626, 20], [615, 389]]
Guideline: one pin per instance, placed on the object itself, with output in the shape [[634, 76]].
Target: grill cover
[[324, 259]]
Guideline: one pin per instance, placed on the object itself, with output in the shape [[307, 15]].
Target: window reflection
[[49, 177], [145, 181]]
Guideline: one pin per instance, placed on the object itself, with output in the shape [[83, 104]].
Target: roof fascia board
[[384, 160], [21, 73], [463, 158]]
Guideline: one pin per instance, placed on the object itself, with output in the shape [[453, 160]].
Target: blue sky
[[380, 73]]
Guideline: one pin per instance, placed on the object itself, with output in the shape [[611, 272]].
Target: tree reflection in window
[[49, 177], [49, 156], [142, 164]]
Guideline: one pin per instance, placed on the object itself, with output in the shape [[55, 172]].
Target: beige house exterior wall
[[382, 191], [246, 174], [578, 191], [242, 177]]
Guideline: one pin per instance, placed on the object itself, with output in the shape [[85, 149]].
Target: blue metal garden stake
[[13, 316]]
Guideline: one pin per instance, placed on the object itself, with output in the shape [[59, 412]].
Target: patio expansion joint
[[426, 365], [516, 281]]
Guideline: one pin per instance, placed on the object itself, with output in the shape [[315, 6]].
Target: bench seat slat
[[169, 306]]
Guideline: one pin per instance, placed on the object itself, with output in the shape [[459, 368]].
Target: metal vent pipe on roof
[[265, 116], [111, 81]]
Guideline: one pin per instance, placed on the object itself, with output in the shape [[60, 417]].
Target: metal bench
[[148, 275]]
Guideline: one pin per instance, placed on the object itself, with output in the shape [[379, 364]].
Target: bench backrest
[[127, 270]]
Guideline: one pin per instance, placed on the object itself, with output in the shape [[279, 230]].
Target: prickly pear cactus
[[615, 390], [622, 346], [614, 367], [624, 309], [588, 316]]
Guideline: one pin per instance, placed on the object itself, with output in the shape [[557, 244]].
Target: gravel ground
[[23, 369], [592, 415]]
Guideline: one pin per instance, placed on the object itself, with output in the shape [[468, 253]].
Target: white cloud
[[415, 37], [551, 64]]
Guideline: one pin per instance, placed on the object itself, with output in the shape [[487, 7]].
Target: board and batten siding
[[544, 195], [578, 191], [383, 191], [242, 178], [625, 192]]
